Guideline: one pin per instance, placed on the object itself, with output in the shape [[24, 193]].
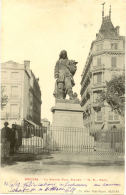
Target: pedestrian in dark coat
[[13, 139], [5, 132], [5, 139]]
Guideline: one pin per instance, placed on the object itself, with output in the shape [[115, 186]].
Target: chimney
[[117, 29], [27, 64]]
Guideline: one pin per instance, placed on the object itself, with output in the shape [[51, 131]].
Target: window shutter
[[113, 61], [98, 61], [99, 78]]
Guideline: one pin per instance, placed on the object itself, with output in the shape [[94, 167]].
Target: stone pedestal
[[67, 114], [67, 132]]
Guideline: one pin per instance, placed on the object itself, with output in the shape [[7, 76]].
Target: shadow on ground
[[14, 159], [58, 159]]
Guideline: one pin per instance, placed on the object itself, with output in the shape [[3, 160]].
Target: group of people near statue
[[9, 137]]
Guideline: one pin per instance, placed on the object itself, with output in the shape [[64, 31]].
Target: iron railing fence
[[37, 140], [112, 140], [34, 139], [69, 139]]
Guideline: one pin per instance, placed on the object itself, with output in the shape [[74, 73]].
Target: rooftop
[[107, 30]]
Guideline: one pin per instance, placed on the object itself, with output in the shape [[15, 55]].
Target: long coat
[[5, 133], [13, 137]]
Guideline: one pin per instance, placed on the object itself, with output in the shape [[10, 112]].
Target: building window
[[99, 116], [110, 115], [113, 115], [113, 61], [14, 110], [14, 91], [96, 96], [114, 74], [116, 116], [14, 75], [97, 78], [114, 46], [98, 61]]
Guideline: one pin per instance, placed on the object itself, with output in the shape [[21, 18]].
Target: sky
[[37, 30]]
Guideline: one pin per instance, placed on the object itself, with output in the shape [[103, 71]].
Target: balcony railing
[[98, 67], [108, 51], [98, 84], [85, 83]]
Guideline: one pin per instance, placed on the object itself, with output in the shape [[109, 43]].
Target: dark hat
[[6, 123]]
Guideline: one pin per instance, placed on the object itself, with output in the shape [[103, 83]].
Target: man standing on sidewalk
[[5, 140], [13, 139]]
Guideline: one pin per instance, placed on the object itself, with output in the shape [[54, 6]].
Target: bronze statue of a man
[[64, 72]]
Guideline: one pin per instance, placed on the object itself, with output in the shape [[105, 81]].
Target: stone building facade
[[23, 91], [105, 60], [35, 100]]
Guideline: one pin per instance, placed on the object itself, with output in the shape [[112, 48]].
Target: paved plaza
[[61, 163]]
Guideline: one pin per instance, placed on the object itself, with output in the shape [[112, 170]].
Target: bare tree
[[4, 97]]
